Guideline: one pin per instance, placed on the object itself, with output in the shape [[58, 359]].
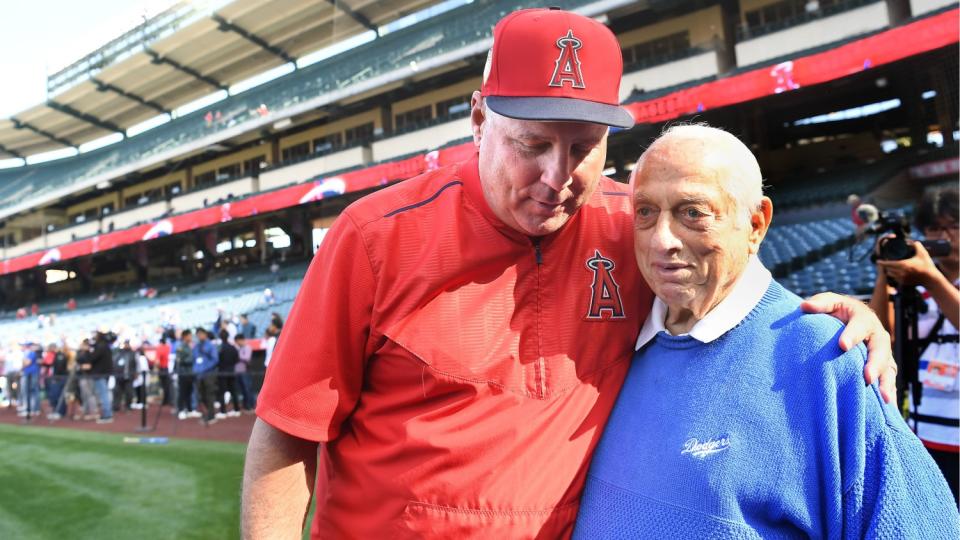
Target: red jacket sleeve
[[316, 371]]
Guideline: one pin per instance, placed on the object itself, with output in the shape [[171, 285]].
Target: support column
[[261, 242], [944, 104], [386, 118], [726, 43], [898, 11]]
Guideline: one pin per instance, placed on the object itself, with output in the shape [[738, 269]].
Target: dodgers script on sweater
[[700, 450]]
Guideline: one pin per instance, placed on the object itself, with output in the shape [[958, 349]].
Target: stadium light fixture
[[50, 156], [101, 142], [333, 50], [929, 94], [851, 113], [103, 185], [56, 276], [151, 123], [198, 104], [262, 78], [15, 162]]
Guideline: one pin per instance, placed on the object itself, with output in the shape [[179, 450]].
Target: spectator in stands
[[740, 416], [185, 376], [268, 297], [124, 371], [56, 382], [242, 369], [140, 377], [162, 360], [277, 321], [12, 366], [226, 366], [247, 328], [937, 424], [101, 364], [270, 336], [494, 281], [85, 383], [30, 402], [71, 304], [205, 370]]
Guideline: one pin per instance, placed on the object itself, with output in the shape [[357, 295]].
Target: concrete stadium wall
[[681, 71], [704, 27], [919, 7], [300, 172], [423, 139], [144, 213], [195, 199], [25, 247], [65, 236], [812, 34], [338, 126]]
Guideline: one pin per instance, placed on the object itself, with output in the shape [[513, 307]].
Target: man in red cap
[[461, 337]]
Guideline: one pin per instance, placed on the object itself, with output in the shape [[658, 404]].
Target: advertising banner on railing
[[263, 203], [882, 48]]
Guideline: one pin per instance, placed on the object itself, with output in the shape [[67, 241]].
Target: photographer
[[937, 415]]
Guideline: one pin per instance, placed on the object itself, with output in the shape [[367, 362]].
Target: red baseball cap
[[554, 65]]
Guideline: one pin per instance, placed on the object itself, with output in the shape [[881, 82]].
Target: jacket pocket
[[424, 520]]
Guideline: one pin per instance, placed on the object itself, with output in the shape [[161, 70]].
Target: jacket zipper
[[541, 374]]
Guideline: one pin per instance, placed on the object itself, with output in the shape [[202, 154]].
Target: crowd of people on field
[[203, 372]]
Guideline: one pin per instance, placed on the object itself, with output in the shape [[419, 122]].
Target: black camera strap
[[938, 420], [935, 337]]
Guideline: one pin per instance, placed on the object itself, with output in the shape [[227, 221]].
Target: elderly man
[[741, 417], [461, 337]]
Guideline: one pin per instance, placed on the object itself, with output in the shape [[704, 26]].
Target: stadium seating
[[397, 50], [189, 306], [789, 248]]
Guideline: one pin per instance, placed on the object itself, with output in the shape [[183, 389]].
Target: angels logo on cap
[[570, 72], [528, 78]]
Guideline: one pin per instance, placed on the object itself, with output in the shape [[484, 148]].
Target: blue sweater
[[205, 353], [768, 431]]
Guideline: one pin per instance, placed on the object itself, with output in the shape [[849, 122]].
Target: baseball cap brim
[[552, 109]]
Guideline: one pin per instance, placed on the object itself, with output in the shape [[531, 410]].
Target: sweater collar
[[746, 294]]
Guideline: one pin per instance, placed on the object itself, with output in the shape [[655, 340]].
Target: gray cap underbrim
[[560, 110]]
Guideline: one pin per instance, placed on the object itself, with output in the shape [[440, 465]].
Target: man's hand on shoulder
[[863, 326]]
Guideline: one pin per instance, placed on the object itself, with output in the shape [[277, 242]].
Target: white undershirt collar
[[746, 294]]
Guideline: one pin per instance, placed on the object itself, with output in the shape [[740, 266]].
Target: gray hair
[[722, 152]]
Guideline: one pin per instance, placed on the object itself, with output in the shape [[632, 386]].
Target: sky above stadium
[[41, 36]]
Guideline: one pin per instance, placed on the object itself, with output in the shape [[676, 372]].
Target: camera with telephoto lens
[[896, 247]]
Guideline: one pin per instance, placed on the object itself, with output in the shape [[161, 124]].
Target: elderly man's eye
[[693, 213]]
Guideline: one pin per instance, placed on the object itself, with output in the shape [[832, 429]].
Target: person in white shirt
[[936, 417]]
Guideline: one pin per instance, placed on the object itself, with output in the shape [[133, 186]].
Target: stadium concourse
[[201, 157]]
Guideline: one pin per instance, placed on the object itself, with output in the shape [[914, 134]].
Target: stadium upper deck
[[662, 47]]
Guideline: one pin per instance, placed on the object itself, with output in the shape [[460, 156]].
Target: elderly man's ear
[[760, 223]]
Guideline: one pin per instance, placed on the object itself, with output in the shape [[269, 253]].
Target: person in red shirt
[[461, 337], [161, 357]]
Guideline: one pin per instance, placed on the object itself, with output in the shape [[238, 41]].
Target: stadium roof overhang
[[810, 68], [240, 40]]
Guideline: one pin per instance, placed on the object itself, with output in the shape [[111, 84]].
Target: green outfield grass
[[60, 483]]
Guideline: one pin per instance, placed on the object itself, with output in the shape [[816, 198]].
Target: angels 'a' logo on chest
[[605, 300]]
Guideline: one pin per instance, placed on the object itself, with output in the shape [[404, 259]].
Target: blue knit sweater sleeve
[[901, 492]]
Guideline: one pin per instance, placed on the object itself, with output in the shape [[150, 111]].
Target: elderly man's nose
[[663, 237]]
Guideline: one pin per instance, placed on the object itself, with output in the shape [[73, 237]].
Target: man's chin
[[543, 227], [673, 294]]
